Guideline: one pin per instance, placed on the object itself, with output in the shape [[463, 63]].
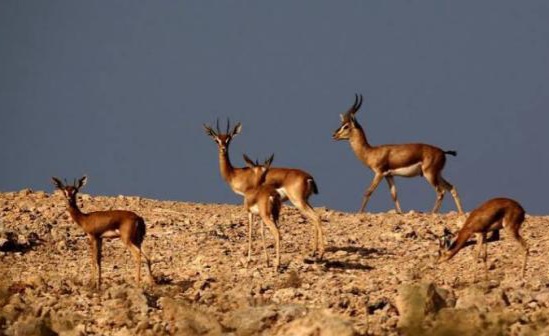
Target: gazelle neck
[[358, 141], [75, 212], [225, 166]]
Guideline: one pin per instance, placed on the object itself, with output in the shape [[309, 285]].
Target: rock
[[35, 281], [317, 323], [31, 326], [79, 330], [472, 297], [543, 298], [188, 321], [285, 295], [469, 322], [10, 312], [252, 321], [415, 301], [66, 322]]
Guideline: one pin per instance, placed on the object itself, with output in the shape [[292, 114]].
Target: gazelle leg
[[264, 243], [449, 187], [94, 261], [480, 241], [276, 234], [136, 252], [516, 235], [375, 182], [485, 257], [392, 188], [434, 181], [318, 232], [250, 228], [148, 263], [98, 243]]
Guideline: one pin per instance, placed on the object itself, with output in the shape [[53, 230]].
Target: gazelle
[[292, 184], [492, 215], [263, 200], [99, 224], [387, 161]]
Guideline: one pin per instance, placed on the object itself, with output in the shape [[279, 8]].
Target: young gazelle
[[99, 224], [292, 184], [492, 215], [387, 161], [263, 200]]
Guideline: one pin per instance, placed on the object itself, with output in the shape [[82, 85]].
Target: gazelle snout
[[336, 136]]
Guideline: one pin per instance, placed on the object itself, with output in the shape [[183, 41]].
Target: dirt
[[378, 275]]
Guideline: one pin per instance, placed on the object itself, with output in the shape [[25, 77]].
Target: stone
[[32, 326], [415, 301], [543, 298], [317, 323], [472, 297], [188, 321], [251, 321]]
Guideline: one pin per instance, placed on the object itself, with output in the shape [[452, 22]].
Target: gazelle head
[[444, 243], [348, 121], [223, 139], [70, 191], [259, 170]]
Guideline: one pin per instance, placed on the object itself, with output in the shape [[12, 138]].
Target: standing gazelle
[[292, 184], [387, 161], [98, 224], [263, 200], [492, 215]]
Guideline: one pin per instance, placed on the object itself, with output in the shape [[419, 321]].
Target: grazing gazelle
[[263, 200], [99, 224], [292, 184], [492, 215], [387, 161]]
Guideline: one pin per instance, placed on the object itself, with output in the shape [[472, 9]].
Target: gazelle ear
[[269, 161], [209, 131], [447, 232], [248, 161], [342, 117], [82, 182], [236, 130], [57, 183]]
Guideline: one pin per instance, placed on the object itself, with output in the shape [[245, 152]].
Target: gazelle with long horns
[[387, 161], [99, 224], [292, 184], [263, 200], [492, 215]]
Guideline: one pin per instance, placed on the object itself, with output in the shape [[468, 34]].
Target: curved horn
[[217, 125], [356, 105], [228, 123], [359, 103]]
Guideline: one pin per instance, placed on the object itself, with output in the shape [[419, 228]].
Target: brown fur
[[385, 160], [295, 185], [264, 200], [99, 224], [492, 215]]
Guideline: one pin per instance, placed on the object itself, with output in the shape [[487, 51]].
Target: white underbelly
[[409, 171], [282, 192], [254, 209], [111, 234]]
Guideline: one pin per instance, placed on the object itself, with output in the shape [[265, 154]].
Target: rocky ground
[[378, 275]]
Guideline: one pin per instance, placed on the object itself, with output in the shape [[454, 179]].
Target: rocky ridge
[[378, 275]]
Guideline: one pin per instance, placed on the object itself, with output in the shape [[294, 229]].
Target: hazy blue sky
[[119, 90]]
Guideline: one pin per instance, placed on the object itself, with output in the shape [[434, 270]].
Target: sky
[[119, 90]]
